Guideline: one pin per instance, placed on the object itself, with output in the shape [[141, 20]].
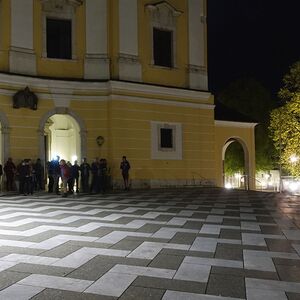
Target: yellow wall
[[131, 136], [4, 34]]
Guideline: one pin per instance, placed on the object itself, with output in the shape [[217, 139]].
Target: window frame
[[66, 12], [172, 153]]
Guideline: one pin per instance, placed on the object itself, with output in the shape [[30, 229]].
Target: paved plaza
[[192, 243]]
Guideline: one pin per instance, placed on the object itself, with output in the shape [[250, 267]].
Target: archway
[[61, 138], [62, 132], [235, 158]]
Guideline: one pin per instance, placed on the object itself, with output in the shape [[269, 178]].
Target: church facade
[[107, 78]]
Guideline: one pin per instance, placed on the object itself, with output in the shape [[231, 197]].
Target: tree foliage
[[248, 97], [234, 159], [285, 121]]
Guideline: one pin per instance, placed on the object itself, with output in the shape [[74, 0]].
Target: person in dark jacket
[[85, 175], [125, 167], [10, 172], [38, 171], [95, 169]]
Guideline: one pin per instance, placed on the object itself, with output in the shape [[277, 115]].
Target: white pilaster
[[96, 58], [197, 45], [22, 57], [129, 65]]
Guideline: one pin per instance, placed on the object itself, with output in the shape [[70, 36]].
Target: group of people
[[69, 175], [29, 174], [31, 177]]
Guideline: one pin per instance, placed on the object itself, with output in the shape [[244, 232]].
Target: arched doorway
[[62, 132], [235, 158], [62, 138]]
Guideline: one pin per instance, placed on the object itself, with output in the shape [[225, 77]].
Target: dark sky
[[252, 38]]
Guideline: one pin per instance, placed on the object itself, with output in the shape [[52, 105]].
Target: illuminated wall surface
[[131, 71]]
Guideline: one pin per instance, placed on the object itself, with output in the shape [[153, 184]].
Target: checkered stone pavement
[[193, 244]]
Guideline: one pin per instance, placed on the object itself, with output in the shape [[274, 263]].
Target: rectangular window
[[162, 48], [166, 138], [59, 38]]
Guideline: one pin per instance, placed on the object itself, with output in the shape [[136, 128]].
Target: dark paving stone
[[245, 273], [231, 222], [127, 244], [8, 278], [293, 296], [100, 232], [265, 219], [193, 225], [232, 213], [186, 253], [170, 284], [265, 229], [66, 295], [19, 250], [280, 245], [98, 266], [149, 228], [231, 252], [251, 247], [230, 234], [40, 269], [226, 286], [183, 238], [166, 261], [288, 273], [136, 292], [286, 262]]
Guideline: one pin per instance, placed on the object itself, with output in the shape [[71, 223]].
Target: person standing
[[39, 175], [65, 176], [10, 171], [85, 175], [125, 167], [75, 174], [95, 169]]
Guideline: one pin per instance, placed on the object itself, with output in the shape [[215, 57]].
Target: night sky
[[252, 38]]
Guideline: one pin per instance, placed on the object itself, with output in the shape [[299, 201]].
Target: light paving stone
[[215, 229], [199, 273], [83, 255], [148, 250], [173, 295], [169, 233], [62, 283], [111, 284], [207, 244], [20, 292], [292, 234], [259, 263], [259, 239], [22, 258], [261, 284], [116, 236], [256, 294]]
